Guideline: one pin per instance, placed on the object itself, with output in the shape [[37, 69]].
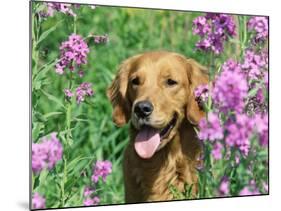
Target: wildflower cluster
[[250, 189], [73, 52], [53, 7], [38, 201], [239, 110], [259, 25], [82, 91], [214, 30], [101, 169], [90, 199], [47, 153], [201, 94]]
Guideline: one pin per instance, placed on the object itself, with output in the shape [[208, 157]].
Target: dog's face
[[155, 90]]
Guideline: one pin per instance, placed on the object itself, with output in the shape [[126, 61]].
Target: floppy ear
[[117, 94], [197, 75]]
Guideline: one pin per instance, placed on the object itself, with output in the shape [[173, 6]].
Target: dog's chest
[[156, 182]]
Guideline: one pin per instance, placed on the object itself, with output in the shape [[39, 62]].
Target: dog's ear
[[117, 94], [197, 75]]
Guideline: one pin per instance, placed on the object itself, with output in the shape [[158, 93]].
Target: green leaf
[[40, 8], [53, 98], [50, 114], [37, 129], [46, 33], [36, 182], [43, 71], [39, 117], [253, 92], [43, 176]]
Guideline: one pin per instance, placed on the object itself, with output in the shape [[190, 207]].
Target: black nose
[[143, 109]]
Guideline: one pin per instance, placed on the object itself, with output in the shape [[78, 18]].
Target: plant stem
[[68, 127], [63, 181], [35, 53]]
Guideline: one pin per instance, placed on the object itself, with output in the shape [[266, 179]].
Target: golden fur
[[177, 156]]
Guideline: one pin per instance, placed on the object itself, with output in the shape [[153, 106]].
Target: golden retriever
[[155, 91]]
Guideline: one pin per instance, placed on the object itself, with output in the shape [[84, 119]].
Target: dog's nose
[[143, 109]]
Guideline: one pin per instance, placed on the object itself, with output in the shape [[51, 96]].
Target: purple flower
[[201, 26], [38, 202], [266, 79], [53, 7], [230, 90], [210, 129], [93, 201], [88, 191], [260, 96], [248, 191], [101, 169], [255, 64], [85, 89], [214, 30], [261, 123], [46, 154], [224, 187], [81, 73], [231, 65], [239, 130], [260, 26], [201, 95], [73, 51], [68, 93], [98, 39], [216, 151]]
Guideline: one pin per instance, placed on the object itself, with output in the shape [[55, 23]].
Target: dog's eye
[[171, 82], [135, 81]]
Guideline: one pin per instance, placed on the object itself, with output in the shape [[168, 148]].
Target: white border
[[14, 103]]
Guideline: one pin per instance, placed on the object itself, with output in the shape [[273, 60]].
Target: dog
[[155, 92]]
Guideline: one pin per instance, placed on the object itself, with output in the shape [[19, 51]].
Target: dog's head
[[156, 91]]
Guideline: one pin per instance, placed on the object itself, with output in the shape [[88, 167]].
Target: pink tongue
[[146, 142]]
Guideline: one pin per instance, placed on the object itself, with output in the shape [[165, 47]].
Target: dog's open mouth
[[148, 138]]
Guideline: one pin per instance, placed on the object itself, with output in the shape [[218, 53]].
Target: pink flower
[[81, 73], [99, 39], [248, 191], [88, 191], [224, 187], [93, 201], [239, 130], [216, 151], [260, 26], [85, 89], [261, 124], [68, 93], [201, 94], [210, 129], [255, 64], [74, 51], [38, 202], [214, 30], [47, 153], [230, 91], [101, 169], [231, 65]]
